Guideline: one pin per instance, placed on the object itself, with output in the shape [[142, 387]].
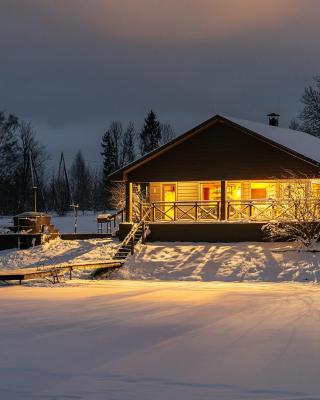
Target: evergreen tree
[[150, 136], [111, 143], [80, 182], [310, 115], [128, 145], [8, 146], [111, 154], [97, 190]]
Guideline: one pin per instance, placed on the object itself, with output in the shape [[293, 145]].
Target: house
[[221, 180]]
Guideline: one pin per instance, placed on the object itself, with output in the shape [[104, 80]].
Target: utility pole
[[34, 187], [75, 208]]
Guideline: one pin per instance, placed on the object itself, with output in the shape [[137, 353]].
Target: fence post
[[174, 211], [132, 245], [250, 209], [223, 190], [196, 211]]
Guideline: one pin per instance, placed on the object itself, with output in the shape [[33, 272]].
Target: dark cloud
[[71, 66]]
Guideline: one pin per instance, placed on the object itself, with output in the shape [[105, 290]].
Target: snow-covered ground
[[57, 252], [269, 262], [128, 340], [87, 223], [223, 262]]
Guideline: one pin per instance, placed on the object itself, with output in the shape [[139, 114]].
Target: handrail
[[183, 210], [213, 210], [135, 228]]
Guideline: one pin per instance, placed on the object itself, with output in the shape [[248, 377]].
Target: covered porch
[[219, 201]]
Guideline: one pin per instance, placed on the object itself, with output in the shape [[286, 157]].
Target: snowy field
[[129, 340]]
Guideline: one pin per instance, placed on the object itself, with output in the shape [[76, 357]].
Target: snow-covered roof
[[300, 142]]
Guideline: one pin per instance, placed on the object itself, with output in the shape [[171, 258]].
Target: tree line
[[80, 184]]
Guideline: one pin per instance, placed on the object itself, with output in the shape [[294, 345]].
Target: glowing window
[[211, 191], [234, 190]]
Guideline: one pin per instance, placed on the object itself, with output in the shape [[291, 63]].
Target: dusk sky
[[72, 66]]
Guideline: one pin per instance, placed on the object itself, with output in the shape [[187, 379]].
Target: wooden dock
[[53, 271]]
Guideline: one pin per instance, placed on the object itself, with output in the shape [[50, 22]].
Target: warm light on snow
[[125, 340]]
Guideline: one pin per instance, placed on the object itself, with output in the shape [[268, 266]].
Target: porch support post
[[128, 201], [223, 200]]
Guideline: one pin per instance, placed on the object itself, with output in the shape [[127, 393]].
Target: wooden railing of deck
[[236, 210], [182, 210]]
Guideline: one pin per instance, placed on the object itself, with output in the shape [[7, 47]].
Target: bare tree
[[167, 133], [118, 196], [310, 115], [27, 143], [299, 217]]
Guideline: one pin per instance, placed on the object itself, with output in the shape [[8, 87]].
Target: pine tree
[[8, 145], [150, 136], [80, 182], [128, 145], [111, 154], [111, 144], [310, 115]]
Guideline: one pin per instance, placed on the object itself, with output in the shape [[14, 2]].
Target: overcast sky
[[72, 66]]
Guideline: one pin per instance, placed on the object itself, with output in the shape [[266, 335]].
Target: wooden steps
[[131, 240]]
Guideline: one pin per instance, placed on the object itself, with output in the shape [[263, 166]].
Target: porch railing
[[182, 211], [235, 210], [268, 210]]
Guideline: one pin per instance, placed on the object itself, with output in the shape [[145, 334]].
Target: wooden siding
[[245, 190], [188, 191], [222, 152], [185, 191]]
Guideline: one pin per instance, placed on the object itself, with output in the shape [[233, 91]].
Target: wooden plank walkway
[[45, 272]]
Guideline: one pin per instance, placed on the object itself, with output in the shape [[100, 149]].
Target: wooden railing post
[[128, 201], [174, 211], [132, 245], [223, 201], [196, 211], [153, 212]]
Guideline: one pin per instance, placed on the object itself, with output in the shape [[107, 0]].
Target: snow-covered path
[[160, 340]]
